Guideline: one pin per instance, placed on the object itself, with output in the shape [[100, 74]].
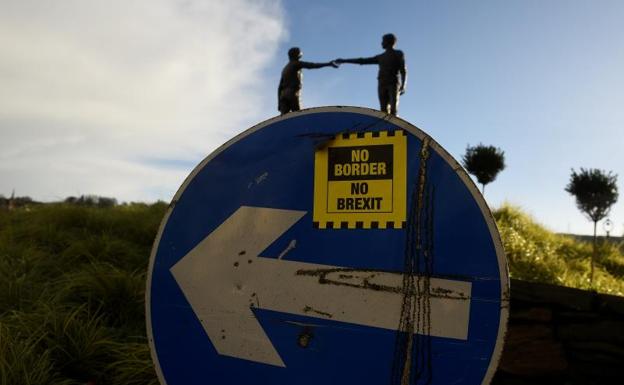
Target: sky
[[124, 98]]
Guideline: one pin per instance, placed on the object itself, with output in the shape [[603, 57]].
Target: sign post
[[336, 245]]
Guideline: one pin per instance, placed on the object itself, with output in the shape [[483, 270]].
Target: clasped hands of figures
[[391, 78], [337, 62]]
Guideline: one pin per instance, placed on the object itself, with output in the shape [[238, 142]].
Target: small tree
[[595, 192], [484, 162]]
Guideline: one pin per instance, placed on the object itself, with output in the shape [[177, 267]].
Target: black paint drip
[[412, 356]]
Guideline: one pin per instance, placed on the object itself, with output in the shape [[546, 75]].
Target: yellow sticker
[[360, 181]]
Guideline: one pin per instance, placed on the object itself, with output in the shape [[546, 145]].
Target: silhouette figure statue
[[289, 90], [391, 64]]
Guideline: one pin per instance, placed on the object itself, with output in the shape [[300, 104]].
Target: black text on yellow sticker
[[359, 181]]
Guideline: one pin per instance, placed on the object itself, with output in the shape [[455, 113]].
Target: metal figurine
[[391, 64], [289, 90]]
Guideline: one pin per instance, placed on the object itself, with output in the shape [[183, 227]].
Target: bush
[[538, 255], [116, 295], [23, 362], [72, 281]]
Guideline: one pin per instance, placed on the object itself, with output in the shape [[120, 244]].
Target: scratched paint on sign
[[242, 289], [206, 273]]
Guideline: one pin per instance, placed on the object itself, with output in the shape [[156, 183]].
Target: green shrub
[[538, 255], [72, 282], [134, 365], [116, 294], [23, 362], [73, 339]]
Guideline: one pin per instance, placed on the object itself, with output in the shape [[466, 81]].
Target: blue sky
[[123, 98], [542, 80]]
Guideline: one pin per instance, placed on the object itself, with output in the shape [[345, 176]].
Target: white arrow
[[223, 278]]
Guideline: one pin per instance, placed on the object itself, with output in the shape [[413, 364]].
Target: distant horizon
[[600, 234]]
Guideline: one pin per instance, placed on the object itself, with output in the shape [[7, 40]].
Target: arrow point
[[242, 338], [206, 276]]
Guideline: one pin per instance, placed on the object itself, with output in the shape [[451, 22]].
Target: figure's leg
[[289, 102], [283, 106], [296, 101], [383, 98], [393, 93], [284, 102]]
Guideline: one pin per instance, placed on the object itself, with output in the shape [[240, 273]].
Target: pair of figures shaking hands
[[392, 77]]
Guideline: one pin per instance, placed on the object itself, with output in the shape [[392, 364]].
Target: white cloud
[[91, 90]]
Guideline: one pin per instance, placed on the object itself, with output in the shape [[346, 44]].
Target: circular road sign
[[335, 245]]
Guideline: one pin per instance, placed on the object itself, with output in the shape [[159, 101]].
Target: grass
[[538, 255], [72, 281]]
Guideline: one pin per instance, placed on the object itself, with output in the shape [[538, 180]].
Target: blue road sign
[[336, 245]]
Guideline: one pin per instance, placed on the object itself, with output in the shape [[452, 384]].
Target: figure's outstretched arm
[[403, 80], [308, 65], [365, 60], [403, 72]]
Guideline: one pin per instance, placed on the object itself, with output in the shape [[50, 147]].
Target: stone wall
[[559, 335]]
